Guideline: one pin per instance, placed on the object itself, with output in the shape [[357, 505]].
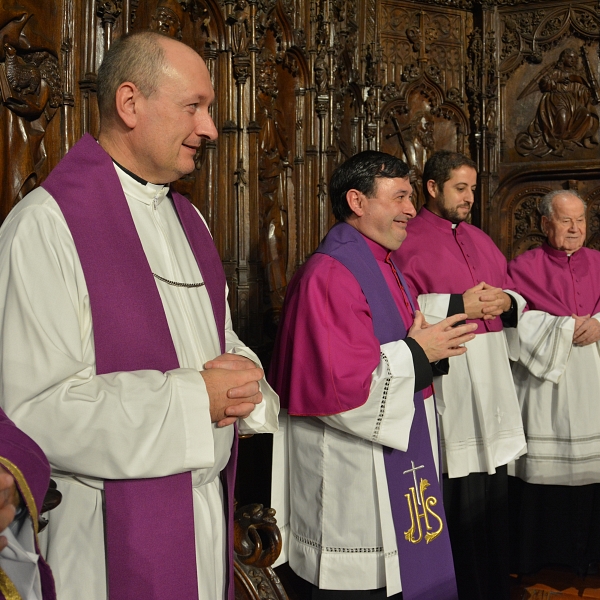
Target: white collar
[[150, 194]]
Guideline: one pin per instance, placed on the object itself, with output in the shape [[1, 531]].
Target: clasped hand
[[587, 330], [233, 389], [485, 302]]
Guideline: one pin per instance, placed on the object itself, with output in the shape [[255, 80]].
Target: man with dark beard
[[453, 267]]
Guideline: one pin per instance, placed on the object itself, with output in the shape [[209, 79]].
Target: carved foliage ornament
[[527, 35], [593, 217], [109, 10], [527, 231]]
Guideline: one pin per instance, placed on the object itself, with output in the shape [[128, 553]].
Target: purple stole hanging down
[[426, 566], [26, 462], [151, 551]]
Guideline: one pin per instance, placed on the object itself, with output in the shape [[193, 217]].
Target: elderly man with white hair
[[557, 377]]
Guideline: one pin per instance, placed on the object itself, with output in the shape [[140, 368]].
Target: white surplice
[[118, 425], [558, 385], [480, 421], [341, 533]]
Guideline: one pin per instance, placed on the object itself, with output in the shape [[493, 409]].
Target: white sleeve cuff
[[190, 390], [386, 417], [434, 307]]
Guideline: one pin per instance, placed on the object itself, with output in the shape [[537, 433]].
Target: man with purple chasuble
[[24, 478], [452, 266], [117, 353], [352, 366], [557, 492]]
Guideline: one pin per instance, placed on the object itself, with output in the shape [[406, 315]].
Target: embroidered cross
[[414, 472], [499, 414]]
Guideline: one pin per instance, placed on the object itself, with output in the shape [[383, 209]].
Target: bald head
[[138, 58], [563, 220], [155, 102]]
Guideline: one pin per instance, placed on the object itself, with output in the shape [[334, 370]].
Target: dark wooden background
[[303, 84]]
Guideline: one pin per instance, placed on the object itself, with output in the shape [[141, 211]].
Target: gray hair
[[138, 58], [545, 207]]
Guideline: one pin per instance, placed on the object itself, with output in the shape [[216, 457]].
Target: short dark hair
[[439, 167], [137, 57], [359, 173]]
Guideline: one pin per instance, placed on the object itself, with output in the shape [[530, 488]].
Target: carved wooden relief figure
[[416, 141], [31, 93], [565, 117], [168, 18], [273, 155]]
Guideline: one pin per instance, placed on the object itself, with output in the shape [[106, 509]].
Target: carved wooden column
[[239, 21], [109, 11]]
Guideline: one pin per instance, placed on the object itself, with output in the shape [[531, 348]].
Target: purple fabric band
[[426, 565], [151, 551], [27, 456]]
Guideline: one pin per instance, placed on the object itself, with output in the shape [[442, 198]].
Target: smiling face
[[173, 121], [455, 201], [383, 217], [566, 228]]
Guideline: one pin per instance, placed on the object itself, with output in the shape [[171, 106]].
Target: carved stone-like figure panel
[[550, 92], [415, 128], [565, 117], [30, 84], [273, 162]]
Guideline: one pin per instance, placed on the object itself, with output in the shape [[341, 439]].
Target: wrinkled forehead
[[567, 205]]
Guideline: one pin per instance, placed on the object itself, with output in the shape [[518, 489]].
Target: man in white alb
[[117, 354], [557, 493]]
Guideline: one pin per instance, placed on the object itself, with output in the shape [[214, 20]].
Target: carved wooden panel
[[424, 100], [549, 115], [33, 94], [303, 84]]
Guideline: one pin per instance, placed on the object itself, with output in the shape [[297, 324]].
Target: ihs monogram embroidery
[[420, 508]]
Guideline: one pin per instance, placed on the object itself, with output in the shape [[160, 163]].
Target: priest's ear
[[127, 100], [356, 201], [432, 188]]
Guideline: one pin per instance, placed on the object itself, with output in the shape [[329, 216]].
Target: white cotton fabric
[[342, 534], [558, 385], [480, 423], [118, 425], [19, 560]]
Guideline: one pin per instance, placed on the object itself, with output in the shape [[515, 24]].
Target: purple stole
[[426, 566], [26, 462], [150, 545]]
